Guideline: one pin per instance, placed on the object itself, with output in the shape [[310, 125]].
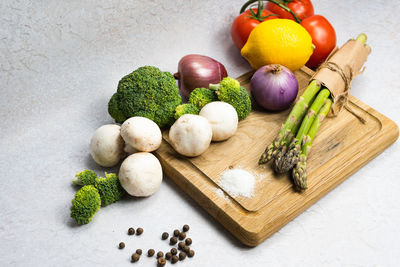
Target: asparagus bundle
[[292, 123], [285, 162], [290, 148], [299, 171]]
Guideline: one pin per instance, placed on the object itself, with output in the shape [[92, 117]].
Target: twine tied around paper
[[341, 100]]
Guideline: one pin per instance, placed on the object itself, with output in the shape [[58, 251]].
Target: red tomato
[[302, 9], [323, 37], [245, 23]]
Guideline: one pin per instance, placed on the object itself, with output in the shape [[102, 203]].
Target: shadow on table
[[213, 223]]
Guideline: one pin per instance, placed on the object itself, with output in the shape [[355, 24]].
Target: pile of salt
[[237, 182]]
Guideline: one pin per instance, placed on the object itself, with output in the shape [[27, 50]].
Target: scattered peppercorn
[[121, 245], [139, 251], [182, 236], [131, 231], [150, 252], [139, 231], [173, 240], [160, 254], [174, 259], [135, 257], [186, 249], [182, 256], [164, 236], [174, 251], [181, 245], [185, 228], [191, 253], [161, 261], [176, 232], [168, 255], [188, 241]]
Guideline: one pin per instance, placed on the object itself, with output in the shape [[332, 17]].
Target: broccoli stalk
[[146, 92], [85, 204], [109, 188], [230, 91], [86, 177], [202, 96]]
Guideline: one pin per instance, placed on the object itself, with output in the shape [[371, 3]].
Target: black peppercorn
[[173, 240], [139, 251], [164, 236], [135, 257], [168, 255], [191, 253], [185, 228], [150, 252], [182, 256], [174, 259], [160, 254], [131, 231], [121, 245], [186, 249], [182, 236], [181, 245], [161, 261], [139, 231], [176, 232], [174, 251], [188, 241]]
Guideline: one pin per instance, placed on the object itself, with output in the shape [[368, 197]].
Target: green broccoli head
[[109, 188], [241, 102], [85, 204], [226, 86], [201, 97], [146, 92], [230, 91], [86, 177], [186, 109]]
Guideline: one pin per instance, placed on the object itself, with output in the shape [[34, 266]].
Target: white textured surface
[[60, 63]]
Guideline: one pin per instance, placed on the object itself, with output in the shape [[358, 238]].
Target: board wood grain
[[342, 146]]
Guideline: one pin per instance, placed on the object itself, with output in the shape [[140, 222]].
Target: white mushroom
[[141, 133], [107, 145], [190, 135], [141, 174], [129, 149], [223, 119]]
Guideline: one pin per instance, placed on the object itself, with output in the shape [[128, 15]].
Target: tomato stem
[[258, 16], [249, 2]]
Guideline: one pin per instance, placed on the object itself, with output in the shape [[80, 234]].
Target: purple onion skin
[[274, 87], [196, 71]]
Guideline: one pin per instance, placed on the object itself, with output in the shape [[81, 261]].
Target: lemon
[[278, 41]]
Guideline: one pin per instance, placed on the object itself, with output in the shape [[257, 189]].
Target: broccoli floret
[[230, 91], [109, 188], [226, 86], [113, 109], [186, 109], [146, 92], [85, 204], [242, 103], [86, 177], [202, 96]]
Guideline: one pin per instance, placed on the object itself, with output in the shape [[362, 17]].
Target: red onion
[[196, 71], [274, 87]]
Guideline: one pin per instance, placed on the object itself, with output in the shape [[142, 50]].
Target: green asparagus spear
[[299, 173], [289, 128], [286, 161]]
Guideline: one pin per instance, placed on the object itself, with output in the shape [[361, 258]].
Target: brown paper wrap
[[340, 68]]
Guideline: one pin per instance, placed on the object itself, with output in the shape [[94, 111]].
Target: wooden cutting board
[[342, 146]]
